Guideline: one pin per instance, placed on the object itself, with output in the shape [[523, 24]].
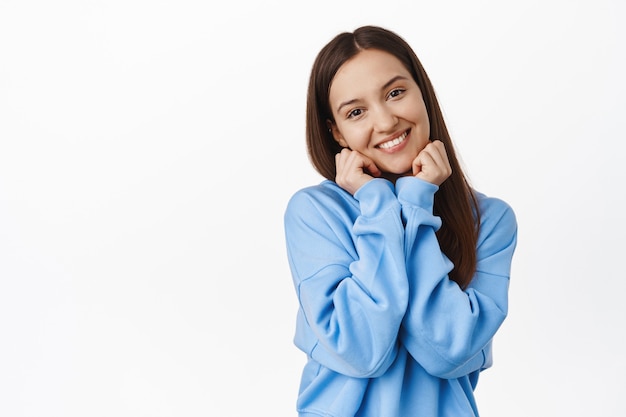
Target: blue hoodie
[[385, 331]]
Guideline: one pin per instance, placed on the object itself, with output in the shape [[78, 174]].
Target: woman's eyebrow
[[346, 103], [393, 80], [384, 87]]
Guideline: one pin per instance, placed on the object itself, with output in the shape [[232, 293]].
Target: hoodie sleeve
[[446, 329], [349, 274]]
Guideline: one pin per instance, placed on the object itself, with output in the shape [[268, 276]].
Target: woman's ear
[[332, 128]]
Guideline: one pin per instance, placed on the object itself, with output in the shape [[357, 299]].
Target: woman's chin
[[393, 176]]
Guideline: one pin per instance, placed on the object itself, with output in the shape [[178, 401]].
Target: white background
[[147, 152]]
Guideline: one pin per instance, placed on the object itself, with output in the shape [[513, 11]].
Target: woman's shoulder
[[490, 204], [497, 217], [325, 196], [324, 191]]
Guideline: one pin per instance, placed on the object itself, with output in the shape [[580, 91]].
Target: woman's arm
[[348, 267], [446, 329]]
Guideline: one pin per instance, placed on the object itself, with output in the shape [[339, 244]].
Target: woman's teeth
[[393, 142]]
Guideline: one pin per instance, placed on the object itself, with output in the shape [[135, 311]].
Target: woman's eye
[[396, 92], [355, 113]]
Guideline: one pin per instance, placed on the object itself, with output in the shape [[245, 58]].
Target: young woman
[[401, 269]]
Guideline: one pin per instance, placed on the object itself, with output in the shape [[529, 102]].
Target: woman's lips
[[390, 145]]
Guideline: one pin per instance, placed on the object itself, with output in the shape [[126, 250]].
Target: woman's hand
[[432, 164], [353, 170]]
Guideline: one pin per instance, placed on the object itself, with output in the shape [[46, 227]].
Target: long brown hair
[[455, 201]]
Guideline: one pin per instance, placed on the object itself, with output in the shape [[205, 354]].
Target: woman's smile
[[394, 145]]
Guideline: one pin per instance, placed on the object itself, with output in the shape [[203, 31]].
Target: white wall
[[147, 151]]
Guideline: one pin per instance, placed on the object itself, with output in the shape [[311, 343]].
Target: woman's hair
[[455, 201]]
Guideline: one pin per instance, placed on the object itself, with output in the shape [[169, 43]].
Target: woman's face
[[379, 111]]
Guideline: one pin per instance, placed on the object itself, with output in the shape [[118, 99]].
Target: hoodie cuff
[[416, 192], [375, 195]]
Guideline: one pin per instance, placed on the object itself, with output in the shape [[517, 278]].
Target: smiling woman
[[401, 269]]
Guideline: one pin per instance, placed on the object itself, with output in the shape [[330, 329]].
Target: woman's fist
[[432, 164], [354, 170]]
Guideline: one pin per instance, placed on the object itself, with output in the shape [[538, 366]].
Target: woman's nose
[[384, 119]]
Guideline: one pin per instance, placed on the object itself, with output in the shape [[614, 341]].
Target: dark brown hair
[[455, 201]]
